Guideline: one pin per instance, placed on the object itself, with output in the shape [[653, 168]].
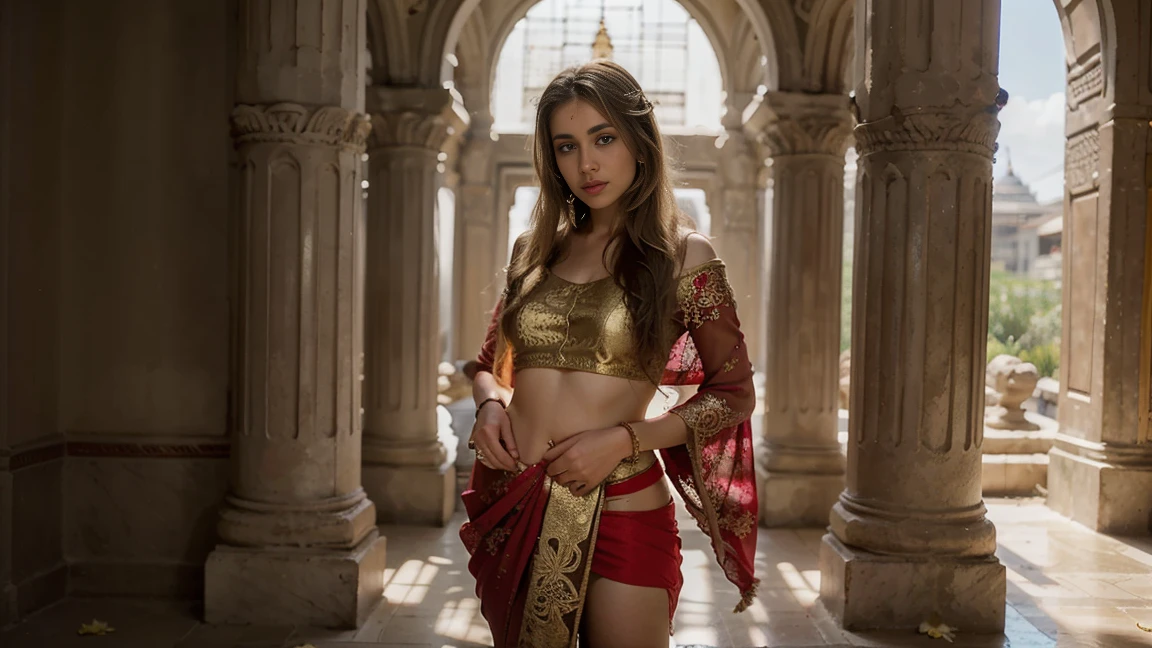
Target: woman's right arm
[[492, 433]]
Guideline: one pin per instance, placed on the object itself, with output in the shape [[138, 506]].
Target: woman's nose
[[588, 163]]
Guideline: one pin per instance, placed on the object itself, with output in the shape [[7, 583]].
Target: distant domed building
[[1022, 242]]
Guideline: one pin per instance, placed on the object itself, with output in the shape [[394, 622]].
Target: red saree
[[533, 547]]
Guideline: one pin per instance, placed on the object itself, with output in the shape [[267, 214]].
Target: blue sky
[[1032, 70]]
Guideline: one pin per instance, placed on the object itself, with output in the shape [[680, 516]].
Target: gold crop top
[[585, 327]]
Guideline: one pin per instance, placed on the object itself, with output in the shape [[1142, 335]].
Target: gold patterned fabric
[[587, 327], [578, 326], [561, 567]]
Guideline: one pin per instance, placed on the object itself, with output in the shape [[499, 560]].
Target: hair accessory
[[635, 442]]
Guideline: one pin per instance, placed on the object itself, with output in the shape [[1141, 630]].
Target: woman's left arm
[[726, 395]]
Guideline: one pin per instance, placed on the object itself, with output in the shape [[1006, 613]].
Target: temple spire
[[602, 47]]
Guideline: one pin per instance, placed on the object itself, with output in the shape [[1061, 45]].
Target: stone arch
[[499, 18], [828, 46], [1089, 32], [508, 22], [404, 40]]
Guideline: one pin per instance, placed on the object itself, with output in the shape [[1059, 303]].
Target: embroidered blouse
[[578, 326], [585, 327]]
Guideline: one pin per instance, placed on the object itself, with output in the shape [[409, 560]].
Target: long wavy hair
[[647, 247]]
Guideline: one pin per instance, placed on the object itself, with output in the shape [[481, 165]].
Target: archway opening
[[657, 40]]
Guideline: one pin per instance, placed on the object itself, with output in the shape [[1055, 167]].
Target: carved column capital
[[790, 123], [294, 123], [930, 131], [417, 117], [420, 130]]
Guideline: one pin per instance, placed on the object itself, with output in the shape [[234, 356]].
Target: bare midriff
[[555, 404]]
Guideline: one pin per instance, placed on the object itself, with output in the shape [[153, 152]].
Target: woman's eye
[[564, 148], [605, 139]]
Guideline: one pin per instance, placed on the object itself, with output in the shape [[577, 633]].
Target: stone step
[[999, 442], [1014, 475]]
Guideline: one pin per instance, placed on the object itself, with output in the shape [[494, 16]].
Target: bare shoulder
[[698, 249]]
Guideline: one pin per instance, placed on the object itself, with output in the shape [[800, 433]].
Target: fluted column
[[298, 540], [737, 231], [477, 265], [408, 455], [802, 468], [909, 538]]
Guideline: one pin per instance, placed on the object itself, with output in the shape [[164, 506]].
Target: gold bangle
[[488, 400], [635, 442]]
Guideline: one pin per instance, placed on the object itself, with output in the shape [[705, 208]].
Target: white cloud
[[1033, 132]]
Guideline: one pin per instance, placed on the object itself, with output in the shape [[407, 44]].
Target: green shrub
[[1046, 358], [996, 347], [1024, 318]]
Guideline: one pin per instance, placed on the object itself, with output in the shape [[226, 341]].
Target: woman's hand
[[585, 459], [492, 435]]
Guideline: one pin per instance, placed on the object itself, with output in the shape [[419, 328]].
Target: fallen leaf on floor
[[99, 628], [1143, 627], [938, 631]]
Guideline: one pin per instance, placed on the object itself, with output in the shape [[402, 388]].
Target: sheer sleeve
[[715, 470], [494, 356], [486, 359]]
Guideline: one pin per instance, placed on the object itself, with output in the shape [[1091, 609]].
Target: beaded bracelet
[[635, 442], [489, 400]]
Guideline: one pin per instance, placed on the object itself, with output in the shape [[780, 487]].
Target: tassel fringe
[[746, 597]]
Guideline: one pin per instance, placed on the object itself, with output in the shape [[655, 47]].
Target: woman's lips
[[595, 187]]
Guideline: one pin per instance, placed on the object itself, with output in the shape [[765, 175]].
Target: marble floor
[[1067, 587]]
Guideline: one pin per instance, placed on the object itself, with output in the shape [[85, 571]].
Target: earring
[[571, 211], [578, 212]]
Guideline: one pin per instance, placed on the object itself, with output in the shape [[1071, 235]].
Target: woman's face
[[592, 157]]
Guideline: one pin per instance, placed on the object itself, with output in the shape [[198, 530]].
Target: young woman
[[572, 528]]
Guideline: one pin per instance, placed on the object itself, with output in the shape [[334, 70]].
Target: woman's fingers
[[559, 449], [559, 467], [508, 439], [500, 457], [488, 445]]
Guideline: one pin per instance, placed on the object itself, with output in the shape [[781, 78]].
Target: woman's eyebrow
[[593, 130]]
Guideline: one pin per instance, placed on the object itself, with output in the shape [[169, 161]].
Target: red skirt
[[640, 548], [510, 525]]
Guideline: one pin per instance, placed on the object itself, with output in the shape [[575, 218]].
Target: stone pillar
[[738, 234], [909, 538], [802, 465], [1100, 467], [408, 454], [299, 543], [478, 280]]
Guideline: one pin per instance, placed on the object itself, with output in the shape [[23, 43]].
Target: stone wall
[[144, 289], [32, 570]]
